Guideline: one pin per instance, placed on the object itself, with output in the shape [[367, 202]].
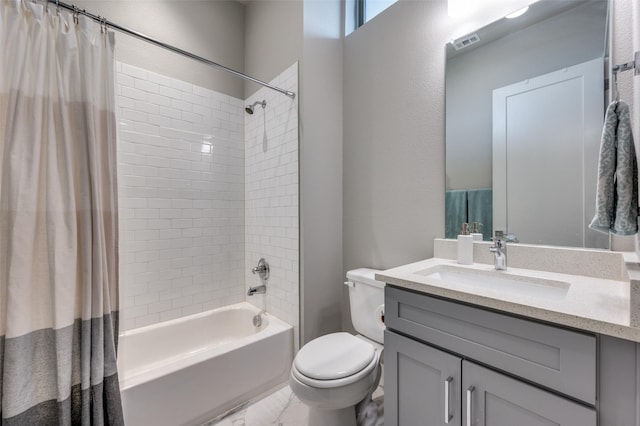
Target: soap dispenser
[[465, 246], [476, 235]]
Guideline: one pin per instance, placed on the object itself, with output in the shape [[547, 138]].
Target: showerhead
[[249, 108]]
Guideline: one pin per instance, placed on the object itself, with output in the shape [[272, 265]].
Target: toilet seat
[[334, 360], [334, 356]]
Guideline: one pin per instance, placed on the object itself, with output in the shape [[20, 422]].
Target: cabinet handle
[[469, 405], [447, 397]]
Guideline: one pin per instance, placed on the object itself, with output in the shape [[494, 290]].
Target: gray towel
[[617, 194]]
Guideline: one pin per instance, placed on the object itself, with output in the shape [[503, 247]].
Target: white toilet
[[333, 373]]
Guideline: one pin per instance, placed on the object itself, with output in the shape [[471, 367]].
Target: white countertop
[[591, 304]]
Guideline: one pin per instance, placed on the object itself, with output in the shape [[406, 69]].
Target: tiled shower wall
[[205, 190], [272, 222], [181, 193]]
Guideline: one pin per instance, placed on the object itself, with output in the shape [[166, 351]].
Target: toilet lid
[[334, 356]]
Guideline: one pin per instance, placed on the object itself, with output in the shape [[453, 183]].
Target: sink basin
[[500, 281]]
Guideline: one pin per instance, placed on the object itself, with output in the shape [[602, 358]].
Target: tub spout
[[261, 289]]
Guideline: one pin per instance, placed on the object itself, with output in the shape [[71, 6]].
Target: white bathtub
[[192, 369]]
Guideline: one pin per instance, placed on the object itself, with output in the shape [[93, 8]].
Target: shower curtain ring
[[57, 7], [75, 14]]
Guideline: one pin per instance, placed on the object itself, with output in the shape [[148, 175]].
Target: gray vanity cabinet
[[427, 385], [494, 399], [448, 363]]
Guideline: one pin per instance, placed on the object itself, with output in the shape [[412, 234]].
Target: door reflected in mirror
[[524, 113]]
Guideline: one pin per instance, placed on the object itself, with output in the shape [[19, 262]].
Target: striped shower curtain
[[58, 219]]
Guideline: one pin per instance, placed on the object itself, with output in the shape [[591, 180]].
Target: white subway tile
[[130, 92], [203, 196], [134, 71], [170, 234], [169, 112], [124, 102], [181, 85], [181, 124], [191, 98], [159, 224], [159, 100], [146, 235], [192, 309], [158, 119], [125, 80], [158, 78], [159, 307], [171, 314], [148, 107], [202, 91], [170, 213], [133, 115], [147, 86], [181, 106], [158, 203], [181, 302], [191, 117], [181, 223], [137, 181], [146, 298]]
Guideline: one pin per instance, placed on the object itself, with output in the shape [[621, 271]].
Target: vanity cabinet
[[448, 363]]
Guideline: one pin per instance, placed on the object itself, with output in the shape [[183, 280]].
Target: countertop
[[593, 304]]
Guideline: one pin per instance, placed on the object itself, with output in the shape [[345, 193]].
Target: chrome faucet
[[258, 269], [499, 251], [262, 269], [261, 289]]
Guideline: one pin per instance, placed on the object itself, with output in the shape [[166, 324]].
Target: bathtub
[[192, 369]]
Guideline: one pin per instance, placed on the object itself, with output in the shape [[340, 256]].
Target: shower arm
[[138, 35]]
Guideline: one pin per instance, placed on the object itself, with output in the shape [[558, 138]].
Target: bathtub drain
[[257, 320]]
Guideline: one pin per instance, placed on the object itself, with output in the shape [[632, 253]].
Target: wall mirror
[[525, 100]]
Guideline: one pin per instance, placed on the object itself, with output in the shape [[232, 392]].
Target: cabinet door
[[422, 384], [493, 399]]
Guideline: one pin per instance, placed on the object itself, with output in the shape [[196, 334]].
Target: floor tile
[[282, 408]]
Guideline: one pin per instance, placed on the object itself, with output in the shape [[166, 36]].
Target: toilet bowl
[[334, 372]]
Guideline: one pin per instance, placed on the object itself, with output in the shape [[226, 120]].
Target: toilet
[[335, 372]]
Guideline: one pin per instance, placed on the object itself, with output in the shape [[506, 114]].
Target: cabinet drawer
[[552, 357]]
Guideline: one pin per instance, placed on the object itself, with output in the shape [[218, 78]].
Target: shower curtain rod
[[136, 34]]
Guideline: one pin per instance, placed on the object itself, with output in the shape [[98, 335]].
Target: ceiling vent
[[466, 41]]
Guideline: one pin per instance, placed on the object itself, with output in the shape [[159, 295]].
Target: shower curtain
[[58, 219]]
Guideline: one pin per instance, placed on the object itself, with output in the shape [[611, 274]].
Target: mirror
[[525, 100]]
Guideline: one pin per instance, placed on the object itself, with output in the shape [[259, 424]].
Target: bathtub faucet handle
[[262, 269]]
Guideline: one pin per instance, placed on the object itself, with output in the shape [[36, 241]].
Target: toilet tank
[[366, 299]]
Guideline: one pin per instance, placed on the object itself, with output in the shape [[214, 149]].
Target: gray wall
[[471, 78], [394, 135], [211, 29], [625, 40], [273, 38], [321, 168], [310, 32]]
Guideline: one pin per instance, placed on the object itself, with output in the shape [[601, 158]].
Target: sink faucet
[[499, 251], [261, 289]]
